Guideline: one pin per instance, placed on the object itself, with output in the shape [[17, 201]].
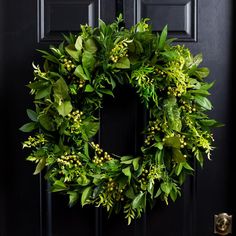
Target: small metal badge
[[223, 224]]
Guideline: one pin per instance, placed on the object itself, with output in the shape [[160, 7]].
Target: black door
[[26, 206]]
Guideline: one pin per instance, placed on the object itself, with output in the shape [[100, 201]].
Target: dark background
[[26, 206]]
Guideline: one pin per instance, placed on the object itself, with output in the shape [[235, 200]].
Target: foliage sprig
[[69, 89]]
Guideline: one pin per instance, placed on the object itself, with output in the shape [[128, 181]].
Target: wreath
[[68, 93]]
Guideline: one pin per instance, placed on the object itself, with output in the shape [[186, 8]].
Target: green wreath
[[69, 90]]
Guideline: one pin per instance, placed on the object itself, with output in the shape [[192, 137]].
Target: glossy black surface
[[26, 207]]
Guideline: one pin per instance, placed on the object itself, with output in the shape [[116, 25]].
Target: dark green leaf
[[73, 198], [28, 127], [140, 201], [173, 142], [58, 186], [42, 93], [46, 122], [106, 91], [32, 115], [91, 128], [177, 155]]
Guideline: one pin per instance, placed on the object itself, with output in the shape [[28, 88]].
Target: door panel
[[26, 206]]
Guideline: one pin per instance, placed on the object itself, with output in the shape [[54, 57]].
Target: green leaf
[[46, 122], [91, 128], [73, 198], [158, 193], [135, 163], [106, 91], [140, 201], [86, 195], [71, 50], [170, 55], [90, 46], [177, 155], [89, 88], [163, 38], [40, 166], [203, 102], [127, 172], [202, 72], [60, 90], [88, 61], [197, 60], [42, 93], [58, 186], [64, 108], [187, 166], [150, 187], [79, 72], [166, 187], [79, 43], [172, 113], [179, 168], [211, 123], [173, 142], [130, 193], [28, 127], [83, 180], [32, 115], [123, 63]]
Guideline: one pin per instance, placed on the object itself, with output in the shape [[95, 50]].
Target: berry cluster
[[68, 64], [153, 126], [69, 160], [100, 156], [75, 119]]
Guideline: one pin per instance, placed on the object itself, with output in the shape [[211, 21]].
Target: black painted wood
[[26, 206]]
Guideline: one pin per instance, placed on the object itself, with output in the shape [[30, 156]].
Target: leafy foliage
[[69, 90]]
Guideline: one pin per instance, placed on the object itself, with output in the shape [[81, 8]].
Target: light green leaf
[[64, 108], [163, 38], [89, 88], [90, 46], [79, 43], [86, 195], [166, 187], [60, 90], [202, 72], [79, 72], [40, 166], [88, 60], [123, 63], [71, 50], [203, 102], [127, 172], [28, 127], [135, 163]]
